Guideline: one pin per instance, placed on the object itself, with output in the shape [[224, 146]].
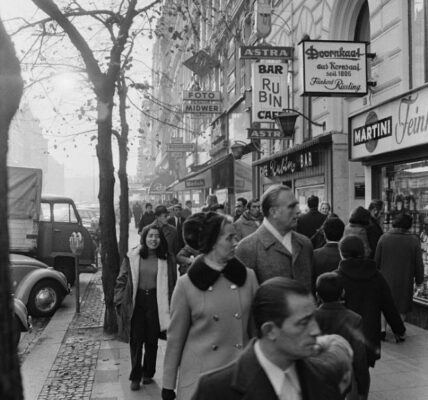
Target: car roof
[[21, 259], [56, 198]]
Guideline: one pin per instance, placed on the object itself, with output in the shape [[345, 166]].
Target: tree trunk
[[123, 175], [109, 251], [11, 87]]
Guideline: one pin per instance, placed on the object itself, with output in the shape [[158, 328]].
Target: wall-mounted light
[[240, 148], [286, 121]]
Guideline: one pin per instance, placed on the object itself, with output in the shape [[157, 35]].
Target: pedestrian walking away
[[399, 259], [274, 365], [359, 220], [137, 211], [210, 307], [141, 295], [275, 249], [308, 223]]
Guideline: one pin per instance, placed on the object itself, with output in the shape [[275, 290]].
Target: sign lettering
[[373, 131], [270, 134], [265, 52], [191, 108], [193, 183], [289, 164], [195, 95]]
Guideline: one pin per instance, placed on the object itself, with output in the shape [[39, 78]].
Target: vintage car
[[37, 285], [22, 319]]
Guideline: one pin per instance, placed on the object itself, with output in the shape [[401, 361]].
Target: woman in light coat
[[141, 295], [399, 258], [210, 306]]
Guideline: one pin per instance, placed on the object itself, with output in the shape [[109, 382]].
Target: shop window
[[418, 22]]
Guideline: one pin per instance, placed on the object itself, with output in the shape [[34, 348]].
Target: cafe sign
[[289, 164], [397, 125], [333, 68]]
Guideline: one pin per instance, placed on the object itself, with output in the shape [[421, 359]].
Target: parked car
[[38, 286], [22, 319]]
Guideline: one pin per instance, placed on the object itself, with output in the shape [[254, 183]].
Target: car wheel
[[66, 266], [45, 297]]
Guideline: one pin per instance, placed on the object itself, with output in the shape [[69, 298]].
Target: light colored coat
[[263, 253], [245, 226], [208, 329]]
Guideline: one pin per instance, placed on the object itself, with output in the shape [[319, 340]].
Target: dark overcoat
[[326, 259], [309, 223], [368, 294], [399, 258], [262, 252], [246, 379]]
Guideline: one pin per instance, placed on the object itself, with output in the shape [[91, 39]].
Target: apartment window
[[418, 48]]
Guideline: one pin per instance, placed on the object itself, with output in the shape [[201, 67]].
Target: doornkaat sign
[[397, 125], [333, 68], [270, 95]]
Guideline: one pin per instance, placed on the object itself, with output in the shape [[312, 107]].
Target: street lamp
[[240, 148], [286, 121]]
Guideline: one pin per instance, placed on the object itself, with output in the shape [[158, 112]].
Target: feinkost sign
[[332, 68]]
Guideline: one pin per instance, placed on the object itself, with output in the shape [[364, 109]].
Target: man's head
[[333, 229], [176, 209], [253, 207], [280, 207], [328, 287], [376, 209], [149, 207], [283, 311], [241, 202], [351, 247], [188, 203], [161, 213], [313, 202]]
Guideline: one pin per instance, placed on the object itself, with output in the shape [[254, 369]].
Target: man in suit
[[275, 249], [308, 223], [327, 258], [177, 221], [273, 365]]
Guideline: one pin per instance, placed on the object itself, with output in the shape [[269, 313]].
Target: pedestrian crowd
[[267, 304]]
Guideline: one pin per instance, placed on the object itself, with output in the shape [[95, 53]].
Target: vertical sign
[[270, 94]]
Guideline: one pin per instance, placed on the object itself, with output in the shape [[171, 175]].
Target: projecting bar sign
[[201, 95], [180, 147], [265, 53], [270, 134]]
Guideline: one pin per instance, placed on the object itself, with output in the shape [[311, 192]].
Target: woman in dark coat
[[367, 294], [141, 295], [399, 258]]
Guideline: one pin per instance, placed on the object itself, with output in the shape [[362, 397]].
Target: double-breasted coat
[[399, 258], [210, 314], [126, 286], [262, 252]]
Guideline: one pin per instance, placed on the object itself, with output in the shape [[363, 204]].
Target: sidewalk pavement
[[73, 359]]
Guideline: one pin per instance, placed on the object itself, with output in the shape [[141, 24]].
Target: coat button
[[210, 289], [233, 287], [216, 317], [237, 316], [214, 347], [238, 346]]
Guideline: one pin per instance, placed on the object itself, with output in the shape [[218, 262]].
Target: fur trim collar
[[202, 276]]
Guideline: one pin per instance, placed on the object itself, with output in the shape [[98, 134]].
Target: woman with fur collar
[[141, 295], [210, 306]]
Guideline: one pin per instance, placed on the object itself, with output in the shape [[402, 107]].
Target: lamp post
[[286, 121]]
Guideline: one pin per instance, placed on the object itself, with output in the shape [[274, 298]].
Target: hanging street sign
[[180, 147], [333, 68], [201, 95], [201, 108], [266, 52], [270, 134], [201, 63], [270, 92]]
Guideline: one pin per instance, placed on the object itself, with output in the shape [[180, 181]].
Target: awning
[[160, 183], [320, 139]]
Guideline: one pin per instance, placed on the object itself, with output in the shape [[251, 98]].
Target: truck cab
[[58, 219]]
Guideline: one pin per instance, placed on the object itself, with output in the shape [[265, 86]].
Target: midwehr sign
[[201, 108], [333, 68], [265, 52], [270, 94]]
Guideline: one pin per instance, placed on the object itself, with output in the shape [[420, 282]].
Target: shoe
[[135, 385], [399, 338], [383, 336], [147, 381]]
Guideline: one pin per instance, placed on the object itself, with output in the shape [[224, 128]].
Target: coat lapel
[[134, 263], [268, 240]]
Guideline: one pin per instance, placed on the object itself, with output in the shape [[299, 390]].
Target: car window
[[45, 212], [64, 212]]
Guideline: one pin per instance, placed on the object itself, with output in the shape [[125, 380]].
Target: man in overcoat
[[177, 221], [275, 249], [307, 224], [273, 366]]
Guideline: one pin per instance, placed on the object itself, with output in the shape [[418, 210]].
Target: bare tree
[[104, 88], [11, 87]]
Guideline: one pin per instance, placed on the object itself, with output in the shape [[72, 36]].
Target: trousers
[[145, 331]]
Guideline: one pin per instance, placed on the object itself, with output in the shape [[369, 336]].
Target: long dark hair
[[162, 249]]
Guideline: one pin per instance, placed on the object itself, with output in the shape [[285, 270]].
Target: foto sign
[[270, 94], [201, 95], [334, 68]]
